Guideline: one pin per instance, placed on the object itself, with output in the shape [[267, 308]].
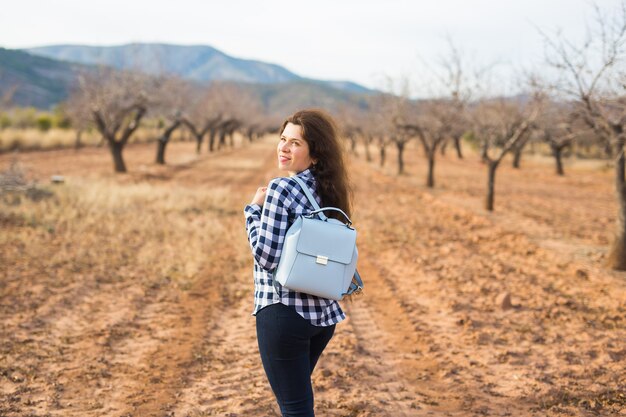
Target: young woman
[[293, 328]]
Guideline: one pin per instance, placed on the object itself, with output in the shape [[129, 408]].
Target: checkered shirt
[[266, 227]]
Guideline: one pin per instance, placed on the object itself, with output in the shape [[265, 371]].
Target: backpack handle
[[321, 210]]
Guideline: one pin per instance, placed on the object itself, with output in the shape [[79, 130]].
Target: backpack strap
[[355, 287], [309, 195]]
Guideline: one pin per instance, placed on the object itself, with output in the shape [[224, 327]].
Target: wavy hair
[[321, 134]]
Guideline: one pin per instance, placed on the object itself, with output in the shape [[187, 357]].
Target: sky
[[362, 41]]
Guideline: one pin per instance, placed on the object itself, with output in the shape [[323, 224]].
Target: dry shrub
[[14, 185]]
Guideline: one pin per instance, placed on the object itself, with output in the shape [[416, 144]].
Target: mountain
[[34, 80], [42, 82], [286, 98], [198, 63]]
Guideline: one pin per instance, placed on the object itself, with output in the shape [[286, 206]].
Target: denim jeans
[[290, 347]]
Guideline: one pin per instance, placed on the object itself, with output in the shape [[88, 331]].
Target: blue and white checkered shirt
[[284, 203]]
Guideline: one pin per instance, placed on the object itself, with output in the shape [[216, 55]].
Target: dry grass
[[35, 139], [140, 229]]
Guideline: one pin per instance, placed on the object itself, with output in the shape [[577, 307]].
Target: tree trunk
[[368, 156], [199, 139], [517, 156], [78, 144], [556, 151], [443, 148], [222, 141], [382, 156], [484, 157], [457, 146], [400, 146], [608, 150], [116, 151], [162, 143], [164, 140], [491, 181], [617, 252], [430, 182], [212, 134]]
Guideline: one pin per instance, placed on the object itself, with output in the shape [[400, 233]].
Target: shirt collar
[[305, 174]]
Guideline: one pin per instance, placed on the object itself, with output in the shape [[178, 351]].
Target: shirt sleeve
[[267, 225]]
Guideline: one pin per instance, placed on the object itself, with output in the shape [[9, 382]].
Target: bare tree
[[518, 149], [443, 118], [378, 125], [351, 125], [80, 116], [455, 82], [432, 129], [368, 140], [557, 126], [500, 124], [117, 102], [383, 141], [397, 109], [174, 97], [400, 139], [234, 104], [199, 118], [254, 120], [592, 73], [399, 114], [353, 133], [226, 129], [214, 126]]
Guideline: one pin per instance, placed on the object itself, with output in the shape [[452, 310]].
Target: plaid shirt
[[266, 226]]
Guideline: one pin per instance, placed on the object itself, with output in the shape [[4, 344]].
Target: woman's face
[[293, 150]]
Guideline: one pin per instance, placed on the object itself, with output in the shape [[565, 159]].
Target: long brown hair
[[321, 134]]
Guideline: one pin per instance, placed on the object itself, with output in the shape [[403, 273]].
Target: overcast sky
[[361, 41]]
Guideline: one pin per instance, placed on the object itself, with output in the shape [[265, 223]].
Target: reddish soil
[[465, 312]]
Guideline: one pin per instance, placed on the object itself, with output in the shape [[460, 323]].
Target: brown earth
[[465, 313]]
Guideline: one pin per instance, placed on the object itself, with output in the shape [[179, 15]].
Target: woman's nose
[[283, 147]]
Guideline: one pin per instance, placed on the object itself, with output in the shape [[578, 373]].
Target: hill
[[196, 62], [34, 80], [43, 81]]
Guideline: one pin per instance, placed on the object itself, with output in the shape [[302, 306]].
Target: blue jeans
[[290, 347]]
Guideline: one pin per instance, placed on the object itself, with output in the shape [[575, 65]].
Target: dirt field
[[130, 295]]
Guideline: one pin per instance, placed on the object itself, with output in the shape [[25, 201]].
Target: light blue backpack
[[319, 254]]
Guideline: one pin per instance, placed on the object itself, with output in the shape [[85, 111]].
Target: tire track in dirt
[[149, 333], [481, 351], [226, 377], [73, 328], [217, 289]]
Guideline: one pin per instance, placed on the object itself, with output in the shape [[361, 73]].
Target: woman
[[293, 328]]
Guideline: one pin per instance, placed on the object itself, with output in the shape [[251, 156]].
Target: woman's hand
[[259, 197]]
